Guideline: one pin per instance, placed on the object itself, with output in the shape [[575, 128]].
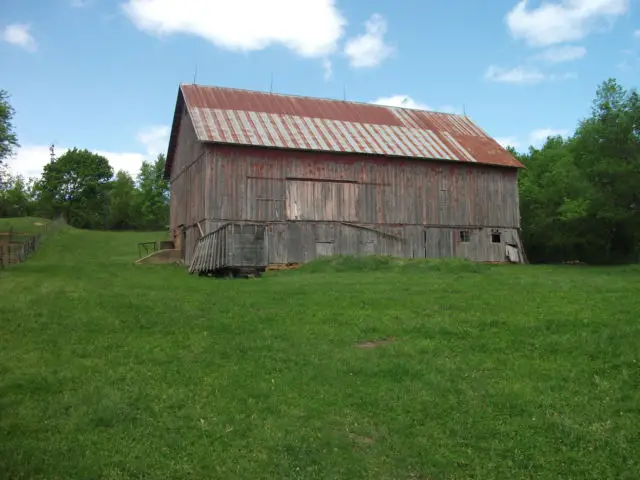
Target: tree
[[579, 197], [153, 195], [8, 137], [77, 184], [553, 197], [16, 197], [607, 148], [122, 202]]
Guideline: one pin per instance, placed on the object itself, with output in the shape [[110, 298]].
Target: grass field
[[30, 225], [112, 371]]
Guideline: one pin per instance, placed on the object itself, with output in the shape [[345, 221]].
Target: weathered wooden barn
[[300, 177]]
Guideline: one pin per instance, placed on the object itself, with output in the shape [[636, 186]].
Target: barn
[[268, 179]]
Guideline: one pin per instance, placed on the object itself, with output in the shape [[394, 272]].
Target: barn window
[[465, 236], [496, 237]]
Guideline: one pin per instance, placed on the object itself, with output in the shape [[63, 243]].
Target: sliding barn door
[[322, 201]]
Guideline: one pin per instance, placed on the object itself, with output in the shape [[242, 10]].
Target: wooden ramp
[[231, 249]]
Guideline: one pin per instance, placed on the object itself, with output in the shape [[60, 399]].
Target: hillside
[[33, 225], [110, 370]]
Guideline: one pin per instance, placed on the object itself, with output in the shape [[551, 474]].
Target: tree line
[[579, 196], [80, 186]]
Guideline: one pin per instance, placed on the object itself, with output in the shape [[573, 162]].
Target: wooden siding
[[251, 185], [313, 200], [347, 204], [299, 242], [188, 187]]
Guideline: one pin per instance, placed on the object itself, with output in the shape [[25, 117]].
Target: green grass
[[32, 225], [112, 371]]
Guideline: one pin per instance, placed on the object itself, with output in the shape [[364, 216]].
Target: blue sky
[[104, 74]]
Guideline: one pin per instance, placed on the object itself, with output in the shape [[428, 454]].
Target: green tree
[[153, 195], [76, 185], [16, 197], [553, 198], [8, 137], [580, 197], [122, 202], [607, 148]]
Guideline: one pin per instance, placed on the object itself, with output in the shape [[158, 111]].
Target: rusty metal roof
[[242, 117]]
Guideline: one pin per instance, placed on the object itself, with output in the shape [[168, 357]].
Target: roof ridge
[[242, 117], [335, 100]]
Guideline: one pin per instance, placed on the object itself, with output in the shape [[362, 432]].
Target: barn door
[[438, 243]]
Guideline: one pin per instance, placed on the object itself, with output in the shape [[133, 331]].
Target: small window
[[465, 236], [496, 237]]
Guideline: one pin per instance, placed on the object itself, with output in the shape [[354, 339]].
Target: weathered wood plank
[[428, 203]]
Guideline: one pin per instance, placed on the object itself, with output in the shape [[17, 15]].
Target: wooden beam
[[362, 227]]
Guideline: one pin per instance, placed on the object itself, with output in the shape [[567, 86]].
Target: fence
[[16, 247]]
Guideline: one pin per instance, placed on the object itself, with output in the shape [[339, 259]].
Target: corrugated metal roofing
[[242, 117]]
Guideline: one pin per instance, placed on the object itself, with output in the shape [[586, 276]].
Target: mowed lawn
[[30, 225], [112, 371]]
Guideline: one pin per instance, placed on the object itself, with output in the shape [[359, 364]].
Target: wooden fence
[[16, 247]]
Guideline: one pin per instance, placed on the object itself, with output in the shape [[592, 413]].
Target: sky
[[104, 74]]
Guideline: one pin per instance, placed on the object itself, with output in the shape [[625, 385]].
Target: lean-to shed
[[334, 177]]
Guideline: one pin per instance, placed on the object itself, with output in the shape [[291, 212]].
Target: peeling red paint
[[258, 119]]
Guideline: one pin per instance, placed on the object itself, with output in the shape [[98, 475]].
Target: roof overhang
[[211, 109]]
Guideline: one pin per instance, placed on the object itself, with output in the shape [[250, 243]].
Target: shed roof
[[250, 118]]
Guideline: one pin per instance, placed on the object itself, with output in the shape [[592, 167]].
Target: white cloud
[[508, 142], [155, 139], [401, 101], [523, 75], [406, 101], [517, 75], [128, 161], [551, 23], [369, 49], [637, 33], [310, 28], [30, 159], [562, 53], [327, 67], [18, 34], [539, 136]]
